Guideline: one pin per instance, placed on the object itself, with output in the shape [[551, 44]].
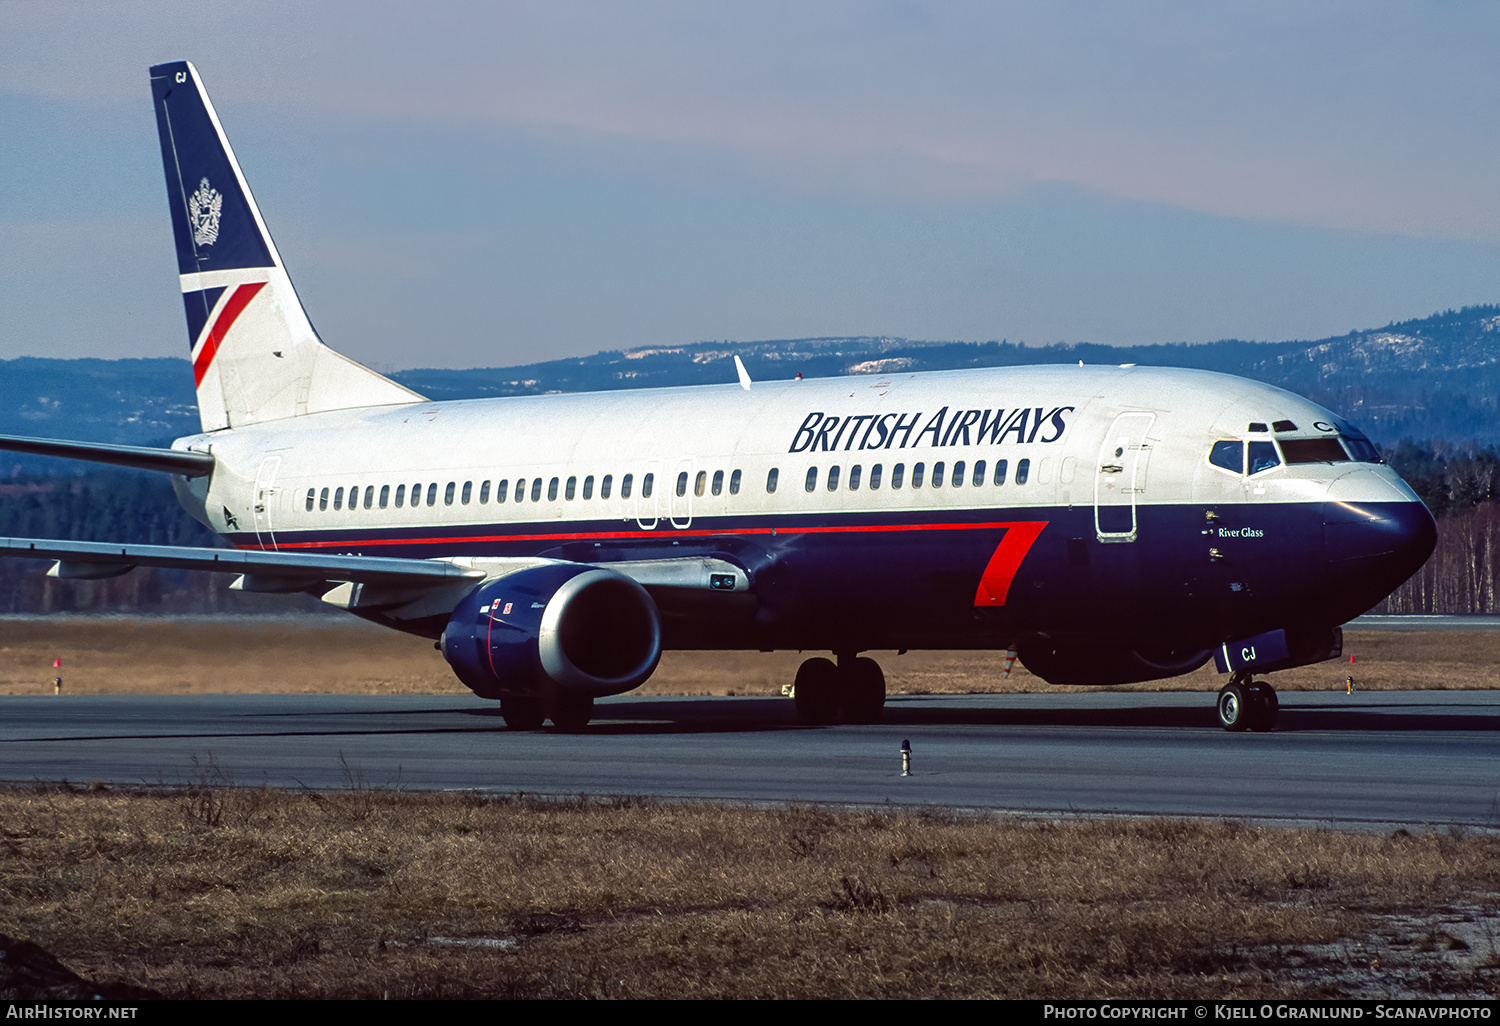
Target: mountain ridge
[[1436, 377]]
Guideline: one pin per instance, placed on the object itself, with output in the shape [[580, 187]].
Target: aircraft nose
[[1376, 532]]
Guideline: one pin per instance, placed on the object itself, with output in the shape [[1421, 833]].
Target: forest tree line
[[1459, 483]]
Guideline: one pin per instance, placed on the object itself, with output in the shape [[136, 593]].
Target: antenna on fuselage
[[739, 368]]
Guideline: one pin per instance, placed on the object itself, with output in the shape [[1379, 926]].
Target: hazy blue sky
[[486, 184]]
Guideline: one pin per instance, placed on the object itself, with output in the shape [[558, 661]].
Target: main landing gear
[[853, 690], [1246, 704], [568, 713]]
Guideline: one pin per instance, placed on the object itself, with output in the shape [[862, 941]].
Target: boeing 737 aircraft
[[1110, 524]]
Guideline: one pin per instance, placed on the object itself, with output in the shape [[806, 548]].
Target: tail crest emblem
[[204, 207]]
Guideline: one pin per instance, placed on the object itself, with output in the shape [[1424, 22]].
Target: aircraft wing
[[290, 571], [89, 560]]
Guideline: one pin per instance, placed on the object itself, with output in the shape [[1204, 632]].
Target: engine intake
[[579, 628]]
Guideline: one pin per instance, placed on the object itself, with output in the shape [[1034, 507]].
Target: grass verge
[[217, 891], [247, 655]]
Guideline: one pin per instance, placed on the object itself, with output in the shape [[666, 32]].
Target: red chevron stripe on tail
[[221, 326]]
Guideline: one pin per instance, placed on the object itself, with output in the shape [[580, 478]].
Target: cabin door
[[264, 501], [1120, 476]]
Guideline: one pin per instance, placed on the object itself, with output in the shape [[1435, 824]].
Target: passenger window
[[416, 495], [771, 480], [448, 494], [551, 489], [917, 470], [854, 473], [702, 482], [1023, 471], [625, 483], [682, 483], [812, 478], [718, 488], [609, 479], [978, 473], [937, 475], [400, 496], [501, 488], [432, 493], [875, 477], [734, 483], [467, 493], [572, 489], [536, 489], [588, 487], [958, 474], [484, 492], [1262, 456], [898, 473], [338, 499], [833, 479], [1000, 469], [311, 494], [385, 496], [520, 489], [647, 483], [323, 499], [369, 496], [1228, 456]]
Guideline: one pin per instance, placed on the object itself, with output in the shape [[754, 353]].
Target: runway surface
[[1422, 622], [1407, 758]]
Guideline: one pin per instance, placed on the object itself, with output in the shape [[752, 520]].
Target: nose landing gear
[[1246, 704]]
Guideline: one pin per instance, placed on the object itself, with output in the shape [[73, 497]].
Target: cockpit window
[[1262, 457], [1228, 455], [1313, 450], [1361, 449]]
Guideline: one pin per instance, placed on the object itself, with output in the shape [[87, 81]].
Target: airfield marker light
[[1010, 660], [57, 685], [905, 758], [1349, 684]]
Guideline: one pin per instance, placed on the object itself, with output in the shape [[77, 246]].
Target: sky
[[489, 184]]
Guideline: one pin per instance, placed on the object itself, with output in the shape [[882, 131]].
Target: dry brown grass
[[342, 655], [221, 892]]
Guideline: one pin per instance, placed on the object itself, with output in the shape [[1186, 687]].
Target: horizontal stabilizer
[[170, 461]]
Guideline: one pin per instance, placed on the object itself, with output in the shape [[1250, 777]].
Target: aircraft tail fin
[[255, 354]]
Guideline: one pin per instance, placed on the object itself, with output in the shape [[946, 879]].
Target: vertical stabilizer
[[255, 354]]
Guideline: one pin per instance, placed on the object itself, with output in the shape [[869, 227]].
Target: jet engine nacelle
[[577, 628]]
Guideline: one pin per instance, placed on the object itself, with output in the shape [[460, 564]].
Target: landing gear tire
[[572, 712], [522, 713], [1264, 706], [863, 687], [816, 692], [1234, 707]]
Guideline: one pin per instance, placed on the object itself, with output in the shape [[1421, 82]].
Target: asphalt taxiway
[[1368, 758]]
